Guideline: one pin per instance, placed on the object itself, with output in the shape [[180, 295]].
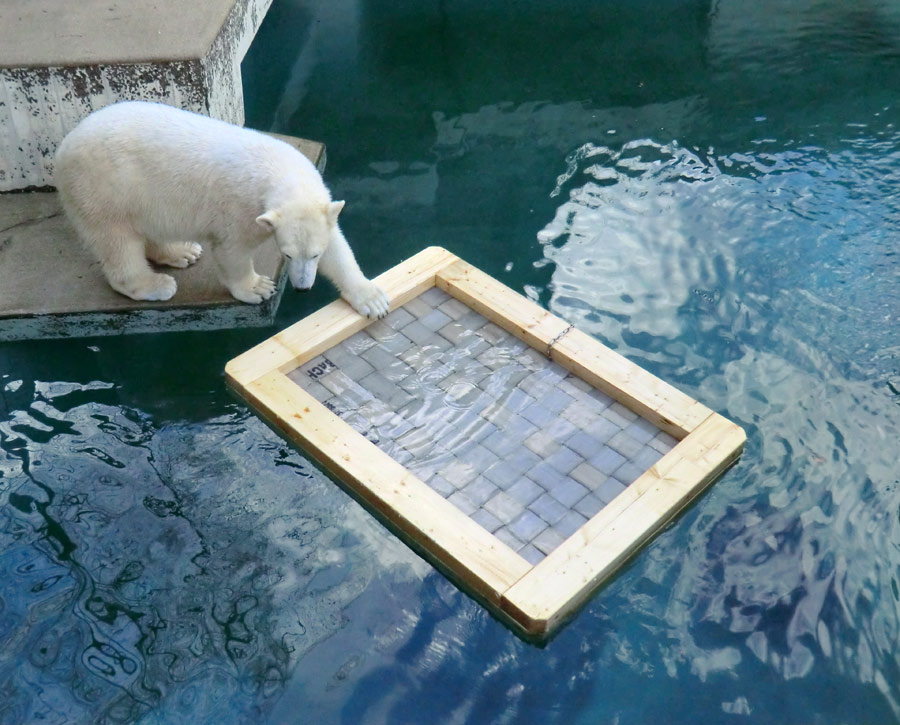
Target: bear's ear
[[268, 220], [332, 210]]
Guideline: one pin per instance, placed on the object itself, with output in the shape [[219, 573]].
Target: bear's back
[[138, 138]]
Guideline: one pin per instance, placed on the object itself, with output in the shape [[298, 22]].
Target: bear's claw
[[370, 301]]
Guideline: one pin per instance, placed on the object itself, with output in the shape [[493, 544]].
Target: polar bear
[[145, 181]]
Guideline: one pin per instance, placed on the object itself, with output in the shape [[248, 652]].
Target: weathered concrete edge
[[39, 106], [140, 321]]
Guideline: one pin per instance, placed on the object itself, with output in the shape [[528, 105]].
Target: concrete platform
[[60, 60], [51, 288]]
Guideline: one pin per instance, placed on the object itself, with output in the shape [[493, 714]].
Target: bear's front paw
[[368, 300], [258, 290]]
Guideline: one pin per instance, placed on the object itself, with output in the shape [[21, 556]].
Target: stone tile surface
[[527, 450]]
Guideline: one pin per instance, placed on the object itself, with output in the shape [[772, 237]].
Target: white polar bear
[[144, 180]]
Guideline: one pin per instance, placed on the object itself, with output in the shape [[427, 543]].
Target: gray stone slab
[[569, 492], [548, 508], [516, 464], [569, 524], [527, 526], [61, 60]]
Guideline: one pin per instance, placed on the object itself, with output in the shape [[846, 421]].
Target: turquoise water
[[713, 189]]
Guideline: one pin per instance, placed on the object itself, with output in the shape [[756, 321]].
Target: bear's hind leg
[[173, 254], [121, 252]]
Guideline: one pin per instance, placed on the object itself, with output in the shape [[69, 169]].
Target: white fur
[[148, 181]]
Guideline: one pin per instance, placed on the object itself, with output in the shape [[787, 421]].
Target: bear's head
[[302, 232]]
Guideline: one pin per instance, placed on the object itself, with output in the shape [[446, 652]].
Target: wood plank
[[321, 330], [479, 560], [515, 313], [662, 404], [561, 583]]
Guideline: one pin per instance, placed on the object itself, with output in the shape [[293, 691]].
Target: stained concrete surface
[[61, 60], [51, 287]]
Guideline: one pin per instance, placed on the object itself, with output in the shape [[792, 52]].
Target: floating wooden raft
[[521, 456]]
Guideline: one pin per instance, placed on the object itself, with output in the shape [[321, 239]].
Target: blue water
[[711, 188]]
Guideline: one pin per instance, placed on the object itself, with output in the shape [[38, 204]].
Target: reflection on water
[[166, 573], [713, 188], [766, 281]]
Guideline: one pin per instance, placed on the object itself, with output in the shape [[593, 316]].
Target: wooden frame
[[535, 600]]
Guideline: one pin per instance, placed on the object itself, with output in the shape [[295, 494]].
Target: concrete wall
[[40, 105]]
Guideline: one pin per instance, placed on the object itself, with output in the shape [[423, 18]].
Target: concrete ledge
[[50, 287], [61, 60]]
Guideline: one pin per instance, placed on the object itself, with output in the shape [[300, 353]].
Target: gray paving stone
[[556, 401], [548, 540], [442, 486], [569, 492], [564, 459], [590, 505], [548, 508], [614, 415], [663, 442], [473, 320], [398, 319], [459, 473], [504, 507], [480, 490], [531, 554], [509, 538], [569, 524], [455, 333], [453, 308], [486, 520], [463, 503], [494, 334], [584, 444], [480, 457], [609, 490], [542, 443], [379, 358], [625, 444], [525, 491], [538, 415], [435, 320], [600, 398], [318, 391], [642, 430], [576, 383], [382, 330], [396, 343], [417, 307], [359, 343], [504, 473], [588, 476], [421, 335], [352, 365], [500, 444], [646, 458], [532, 359], [602, 429], [579, 415], [435, 296], [607, 460], [628, 473], [527, 525], [545, 475], [379, 386]]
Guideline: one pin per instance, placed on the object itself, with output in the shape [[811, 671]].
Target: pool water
[[710, 188]]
